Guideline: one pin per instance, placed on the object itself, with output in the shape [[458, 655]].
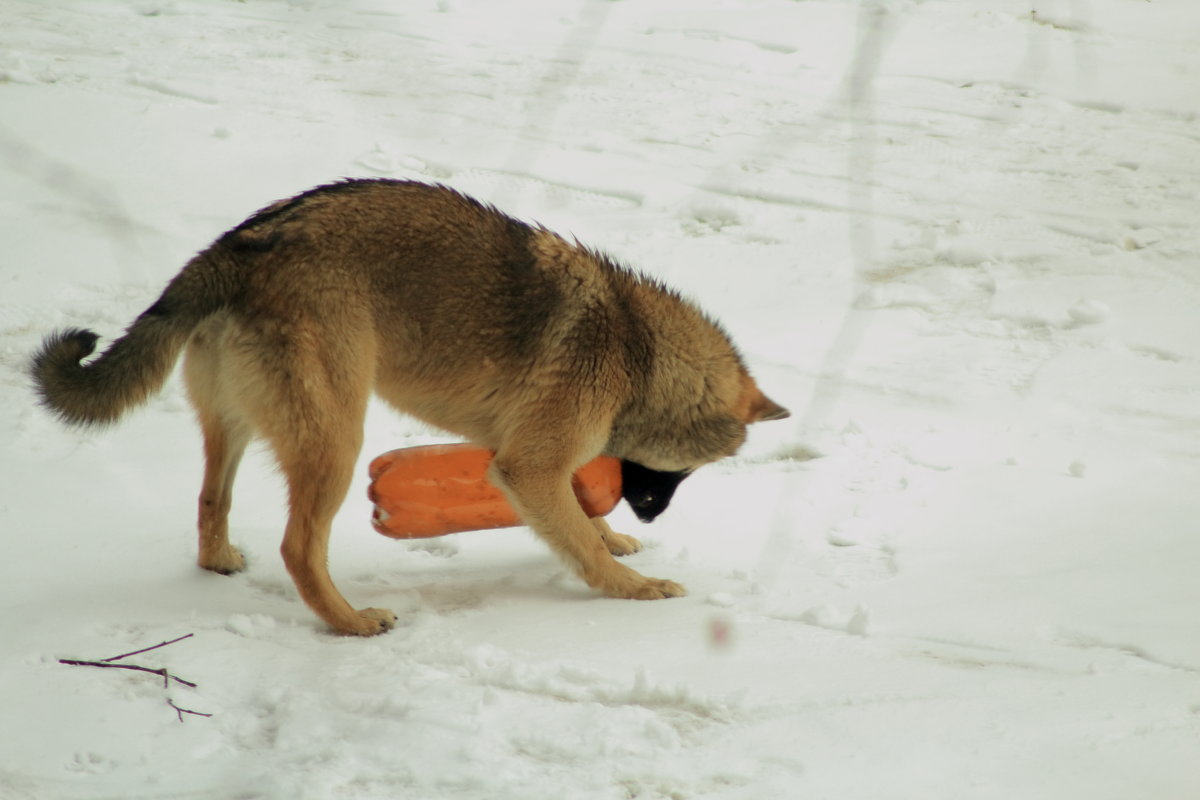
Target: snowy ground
[[958, 239]]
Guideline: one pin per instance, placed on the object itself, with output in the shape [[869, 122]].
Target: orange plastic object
[[421, 492]]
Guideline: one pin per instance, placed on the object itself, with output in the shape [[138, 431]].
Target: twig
[[182, 711], [148, 649], [162, 672], [106, 665]]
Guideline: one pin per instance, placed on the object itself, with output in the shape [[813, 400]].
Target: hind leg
[[225, 436], [318, 468], [315, 427], [224, 444]]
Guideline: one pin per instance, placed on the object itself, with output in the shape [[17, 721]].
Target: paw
[[633, 586], [371, 622], [621, 545], [226, 561], [656, 589]]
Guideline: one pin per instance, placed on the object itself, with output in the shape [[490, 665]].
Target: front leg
[[619, 544], [539, 487]]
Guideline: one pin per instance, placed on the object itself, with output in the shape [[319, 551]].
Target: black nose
[[648, 491]]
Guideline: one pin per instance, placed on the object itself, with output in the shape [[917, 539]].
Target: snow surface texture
[[958, 239]]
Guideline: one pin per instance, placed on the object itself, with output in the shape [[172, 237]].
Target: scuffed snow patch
[[250, 625], [1089, 312], [828, 617], [493, 667]]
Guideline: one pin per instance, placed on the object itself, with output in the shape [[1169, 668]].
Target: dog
[[504, 333]]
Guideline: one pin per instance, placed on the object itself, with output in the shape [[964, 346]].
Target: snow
[[958, 240]]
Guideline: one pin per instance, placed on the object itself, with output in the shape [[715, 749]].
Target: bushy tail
[[137, 365]]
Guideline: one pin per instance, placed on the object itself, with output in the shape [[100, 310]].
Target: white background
[[958, 239]]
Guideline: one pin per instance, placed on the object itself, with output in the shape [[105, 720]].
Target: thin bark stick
[[166, 676], [182, 711], [148, 649]]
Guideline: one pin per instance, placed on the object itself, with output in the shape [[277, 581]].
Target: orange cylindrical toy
[[420, 492]]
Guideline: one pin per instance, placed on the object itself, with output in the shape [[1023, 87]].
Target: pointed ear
[[764, 409], [754, 406]]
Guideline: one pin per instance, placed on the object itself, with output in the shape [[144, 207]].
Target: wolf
[[543, 350]]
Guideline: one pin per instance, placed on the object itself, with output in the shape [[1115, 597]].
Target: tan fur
[[505, 334]]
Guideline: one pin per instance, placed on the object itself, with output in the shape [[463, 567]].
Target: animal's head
[[649, 490]]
